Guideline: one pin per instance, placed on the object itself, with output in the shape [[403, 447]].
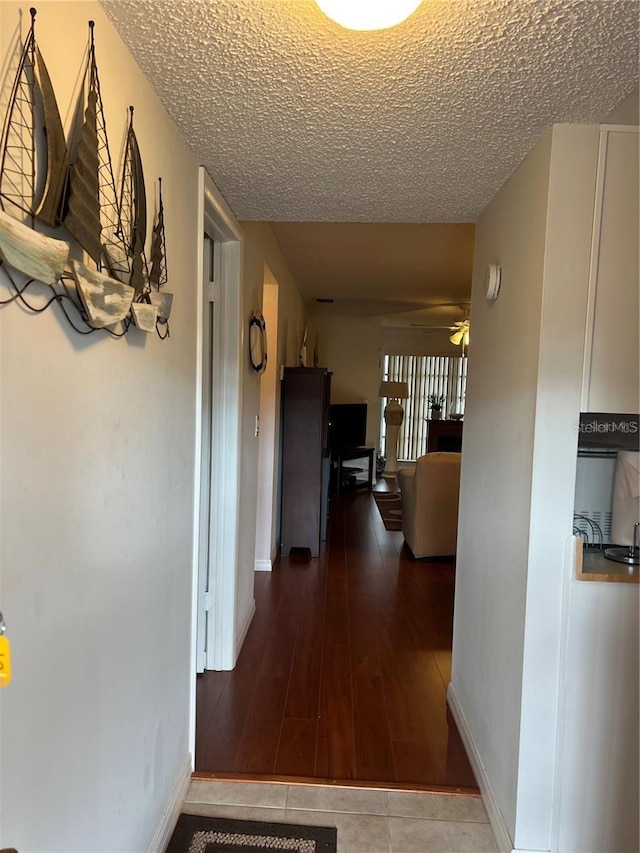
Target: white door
[[218, 434], [210, 370]]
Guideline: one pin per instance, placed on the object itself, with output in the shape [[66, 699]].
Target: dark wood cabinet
[[305, 458], [444, 435]]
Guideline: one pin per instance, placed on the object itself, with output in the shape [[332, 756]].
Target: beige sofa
[[430, 494]]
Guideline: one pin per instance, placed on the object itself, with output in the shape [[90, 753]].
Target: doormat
[[390, 506], [196, 834]]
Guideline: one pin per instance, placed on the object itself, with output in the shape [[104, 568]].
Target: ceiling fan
[[460, 336], [445, 307]]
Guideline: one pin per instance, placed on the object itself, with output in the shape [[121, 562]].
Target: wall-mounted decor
[[492, 282], [257, 342], [106, 300], [37, 256], [158, 275], [23, 166], [79, 195]]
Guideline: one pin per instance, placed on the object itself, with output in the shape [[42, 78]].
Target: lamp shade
[[394, 390]]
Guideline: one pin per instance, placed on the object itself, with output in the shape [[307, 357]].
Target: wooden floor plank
[[304, 682], [261, 736], [280, 645], [217, 746], [336, 744], [344, 670], [208, 693], [297, 749], [374, 755], [336, 620], [414, 762], [458, 770], [364, 635]]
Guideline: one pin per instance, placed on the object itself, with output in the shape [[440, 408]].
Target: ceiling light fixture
[[368, 14]]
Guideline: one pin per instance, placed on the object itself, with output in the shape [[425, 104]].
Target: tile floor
[[368, 821]]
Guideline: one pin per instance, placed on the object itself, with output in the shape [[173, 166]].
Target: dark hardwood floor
[[344, 670]]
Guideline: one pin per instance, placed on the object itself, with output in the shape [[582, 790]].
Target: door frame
[[216, 219]]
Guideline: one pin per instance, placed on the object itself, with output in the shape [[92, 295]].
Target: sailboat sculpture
[[133, 224], [32, 179], [92, 216], [158, 275]]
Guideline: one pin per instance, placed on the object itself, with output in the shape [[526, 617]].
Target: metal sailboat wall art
[[92, 212], [158, 275], [28, 185], [33, 168], [132, 211], [132, 215], [42, 180], [37, 256]]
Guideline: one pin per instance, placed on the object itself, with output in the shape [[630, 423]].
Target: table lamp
[[393, 417]]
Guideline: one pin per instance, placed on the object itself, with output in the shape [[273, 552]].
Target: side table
[[357, 474]]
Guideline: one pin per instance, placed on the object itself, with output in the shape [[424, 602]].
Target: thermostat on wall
[[492, 283]]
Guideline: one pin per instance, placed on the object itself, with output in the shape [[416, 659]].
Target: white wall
[[598, 750], [627, 111], [496, 477], [262, 250], [350, 348], [97, 461], [524, 635], [266, 510], [571, 196]]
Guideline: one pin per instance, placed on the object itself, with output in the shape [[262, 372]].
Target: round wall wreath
[[258, 342]]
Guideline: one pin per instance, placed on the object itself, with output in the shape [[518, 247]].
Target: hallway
[[343, 673]]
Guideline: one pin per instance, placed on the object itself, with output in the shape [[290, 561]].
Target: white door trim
[[226, 434], [203, 458], [216, 218]]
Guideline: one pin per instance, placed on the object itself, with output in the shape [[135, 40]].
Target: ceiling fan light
[[368, 14], [456, 337]]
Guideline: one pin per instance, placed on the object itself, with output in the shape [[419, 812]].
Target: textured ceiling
[[298, 120]]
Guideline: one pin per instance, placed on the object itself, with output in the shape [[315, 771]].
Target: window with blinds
[[444, 376]]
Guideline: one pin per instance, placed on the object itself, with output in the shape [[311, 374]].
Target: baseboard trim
[[244, 628], [503, 840], [262, 566], [172, 811]]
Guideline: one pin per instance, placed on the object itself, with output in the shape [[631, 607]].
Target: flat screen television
[[347, 425]]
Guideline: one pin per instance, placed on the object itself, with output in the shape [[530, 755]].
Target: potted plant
[[436, 401]]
